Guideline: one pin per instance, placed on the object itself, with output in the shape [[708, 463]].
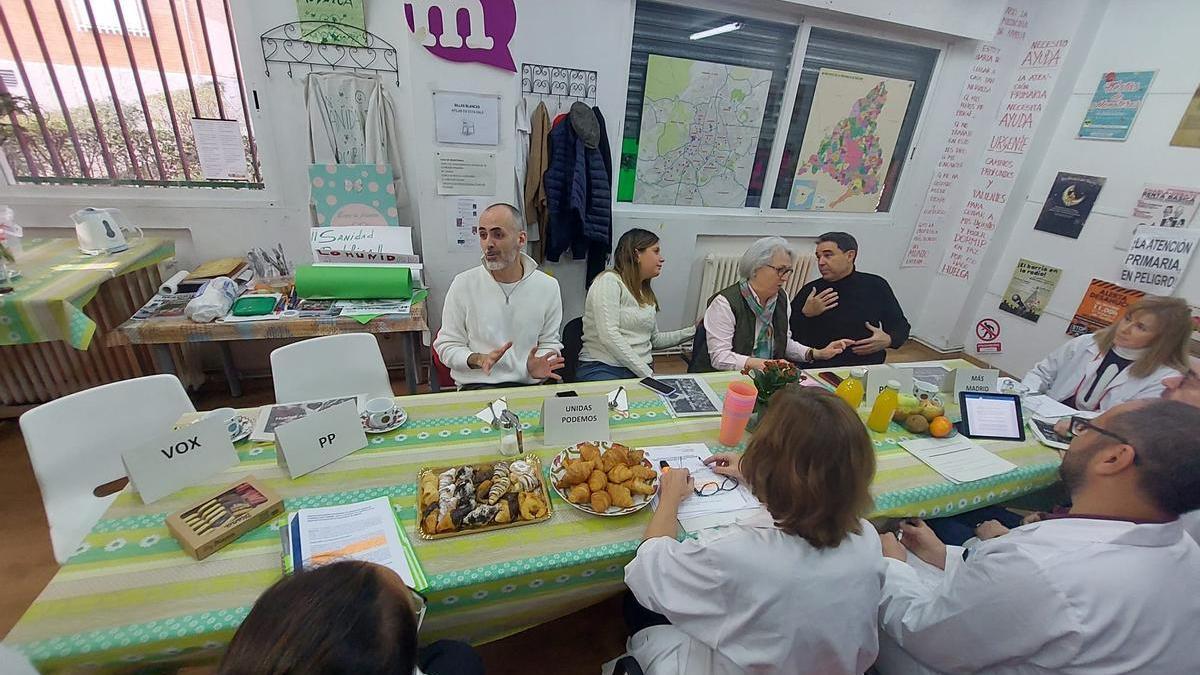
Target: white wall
[[590, 34], [1134, 35]]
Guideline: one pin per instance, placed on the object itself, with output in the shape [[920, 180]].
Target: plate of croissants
[[604, 479]]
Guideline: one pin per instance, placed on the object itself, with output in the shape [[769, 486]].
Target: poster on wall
[[848, 141], [1115, 105], [1030, 289], [1067, 206], [1009, 140], [1103, 303], [353, 195], [1161, 206], [466, 173], [468, 119], [699, 135], [464, 232], [346, 12], [1187, 134], [1158, 257]]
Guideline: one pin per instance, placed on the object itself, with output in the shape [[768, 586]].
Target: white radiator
[[720, 272]]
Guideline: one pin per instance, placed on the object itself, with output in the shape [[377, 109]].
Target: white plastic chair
[[75, 445], [325, 367]]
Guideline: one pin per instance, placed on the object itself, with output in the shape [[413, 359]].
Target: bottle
[[885, 406], [851, 389]]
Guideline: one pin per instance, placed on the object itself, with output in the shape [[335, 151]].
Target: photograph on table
[[272, 417], [1103, 303], [692, 397], [1067, 206], [1030, 289], [848, 141]]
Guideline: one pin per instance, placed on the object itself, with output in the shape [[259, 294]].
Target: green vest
[[743, 329]]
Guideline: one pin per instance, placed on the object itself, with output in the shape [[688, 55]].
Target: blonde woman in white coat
[[1128, 360], [793, 588]]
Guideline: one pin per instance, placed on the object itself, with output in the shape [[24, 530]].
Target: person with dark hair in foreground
[[792, 588], [846, 303], [1113, 586], [351, 618]]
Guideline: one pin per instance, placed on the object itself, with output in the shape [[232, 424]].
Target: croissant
[[481, 491], [576, 473], [579, 494], [588, 452], [601, 501], [498, 488], [598, 480], [430, 523], [642, 472], [636, 457], [617, 454], [638, 487], [531, 505], [619, 474], [504, 515], [620, 495]]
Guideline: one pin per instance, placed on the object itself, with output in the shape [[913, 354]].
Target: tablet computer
[[994, 416]]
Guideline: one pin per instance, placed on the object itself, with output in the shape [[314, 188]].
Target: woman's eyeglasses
[[420, 604], [782, 271], [712, 487]]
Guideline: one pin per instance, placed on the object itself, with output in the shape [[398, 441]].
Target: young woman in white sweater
[[619, 326]]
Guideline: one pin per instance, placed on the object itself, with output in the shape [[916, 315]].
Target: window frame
[[805, 20], [84, 25]]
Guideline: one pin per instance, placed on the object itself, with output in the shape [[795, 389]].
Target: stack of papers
[[696, 512], [959, 459], [1045, 407], [366, 531]]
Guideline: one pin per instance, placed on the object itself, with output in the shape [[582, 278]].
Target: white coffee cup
[[232, 423], [381, 412]]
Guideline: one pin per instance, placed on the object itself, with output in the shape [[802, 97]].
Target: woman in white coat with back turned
[[791, 589], [1126, 361]]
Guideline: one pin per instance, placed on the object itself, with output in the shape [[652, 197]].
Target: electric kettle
[[102, 230]]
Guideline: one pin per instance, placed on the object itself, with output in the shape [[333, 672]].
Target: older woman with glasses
[[747, 324]]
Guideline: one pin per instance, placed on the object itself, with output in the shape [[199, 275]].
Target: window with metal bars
[[106, 91]]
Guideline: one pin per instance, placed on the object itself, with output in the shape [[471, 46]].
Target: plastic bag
[[213, 301]]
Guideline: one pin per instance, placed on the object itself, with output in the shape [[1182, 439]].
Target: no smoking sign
[[988, 332]]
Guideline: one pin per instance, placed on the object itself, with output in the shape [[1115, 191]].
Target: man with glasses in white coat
[[1111, 587]]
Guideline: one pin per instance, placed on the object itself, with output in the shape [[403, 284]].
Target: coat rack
[[557, 86], [290, 44]]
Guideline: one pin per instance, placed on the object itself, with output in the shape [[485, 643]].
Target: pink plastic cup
[[739, 405]]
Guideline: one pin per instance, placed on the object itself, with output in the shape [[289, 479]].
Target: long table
[[130, 597]]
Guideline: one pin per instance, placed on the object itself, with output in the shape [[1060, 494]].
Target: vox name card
[[180, 458], [575, 419], [319, 438]]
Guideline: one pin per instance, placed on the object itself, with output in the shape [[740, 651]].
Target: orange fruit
[[940, 427]]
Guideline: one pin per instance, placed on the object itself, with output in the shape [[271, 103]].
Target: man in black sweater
[[846, 303]]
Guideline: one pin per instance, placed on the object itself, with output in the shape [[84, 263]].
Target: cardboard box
[[209, 526]]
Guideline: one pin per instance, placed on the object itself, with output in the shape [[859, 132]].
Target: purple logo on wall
[[465, 30]]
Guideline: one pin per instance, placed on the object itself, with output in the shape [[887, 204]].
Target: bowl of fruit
[[924, 414]]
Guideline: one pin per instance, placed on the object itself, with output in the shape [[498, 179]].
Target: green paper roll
[[353, 283]]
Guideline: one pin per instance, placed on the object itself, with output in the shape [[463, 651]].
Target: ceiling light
[[719, 30]]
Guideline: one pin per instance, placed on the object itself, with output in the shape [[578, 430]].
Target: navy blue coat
[[578, 196]]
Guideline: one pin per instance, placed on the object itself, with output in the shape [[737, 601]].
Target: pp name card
[[975, 379], [877, 379], [319, 438], [575, 419], [180, 459]]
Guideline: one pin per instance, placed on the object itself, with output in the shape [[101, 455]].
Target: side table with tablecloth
[[61, 304]]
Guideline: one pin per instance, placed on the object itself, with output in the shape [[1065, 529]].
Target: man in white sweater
[[500, 320]]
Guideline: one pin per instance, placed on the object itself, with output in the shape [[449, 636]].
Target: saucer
[[401, 418]]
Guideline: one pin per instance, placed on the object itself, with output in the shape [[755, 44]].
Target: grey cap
[[586, 126]]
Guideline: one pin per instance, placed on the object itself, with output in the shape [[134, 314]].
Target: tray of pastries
[[471, 498], [604, 479]]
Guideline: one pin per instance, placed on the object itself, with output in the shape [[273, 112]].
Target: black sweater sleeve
[[894, 322]]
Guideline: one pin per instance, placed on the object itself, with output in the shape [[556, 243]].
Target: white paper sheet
[[221, 149], [496, 409], [690, 456], [958, 459], [465, 173], [1045, 407], [361, 531]]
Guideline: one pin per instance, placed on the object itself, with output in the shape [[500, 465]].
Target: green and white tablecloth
[[57, 281], [130, 597]]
